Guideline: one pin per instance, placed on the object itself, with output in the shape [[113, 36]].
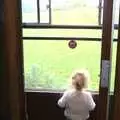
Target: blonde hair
[[82, 82]]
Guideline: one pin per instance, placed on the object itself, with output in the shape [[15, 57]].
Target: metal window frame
[[100, 11], [39, 12], [100, 8], [38, 26]]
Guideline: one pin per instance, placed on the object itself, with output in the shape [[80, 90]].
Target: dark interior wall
[[43, 106], [4, 109]]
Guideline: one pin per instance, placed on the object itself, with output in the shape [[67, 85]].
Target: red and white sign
[[72, 44]]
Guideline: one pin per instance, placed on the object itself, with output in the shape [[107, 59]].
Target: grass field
[[48, 64]]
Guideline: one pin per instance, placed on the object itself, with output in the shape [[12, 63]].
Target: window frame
[[49, 26]]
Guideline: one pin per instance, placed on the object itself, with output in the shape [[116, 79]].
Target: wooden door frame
[[116, 107], [107, 38], [14, 59], [4, 103], [14, 62]]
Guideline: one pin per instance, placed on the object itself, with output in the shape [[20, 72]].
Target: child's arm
[[91, 103], [62, 100]]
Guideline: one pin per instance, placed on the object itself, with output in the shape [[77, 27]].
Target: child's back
[[77, 102]]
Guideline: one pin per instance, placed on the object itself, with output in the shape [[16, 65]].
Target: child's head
[[80, 79]]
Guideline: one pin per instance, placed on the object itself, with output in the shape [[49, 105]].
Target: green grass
[[51, 62], [48, 64]]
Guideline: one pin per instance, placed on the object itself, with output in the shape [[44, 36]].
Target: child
[[76, 101]]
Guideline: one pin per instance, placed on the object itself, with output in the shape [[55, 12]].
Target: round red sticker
[[72, 44]]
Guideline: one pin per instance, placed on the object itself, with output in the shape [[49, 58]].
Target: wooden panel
[[43, 106], [13, 59], [4, 106], [102, 113], [116, 112]]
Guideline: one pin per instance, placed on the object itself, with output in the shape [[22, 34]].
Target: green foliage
[[48, 64]]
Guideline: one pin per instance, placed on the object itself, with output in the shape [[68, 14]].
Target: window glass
[[29, 11], [76, 12], [80, 12], [49, 64], [116, 12]]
